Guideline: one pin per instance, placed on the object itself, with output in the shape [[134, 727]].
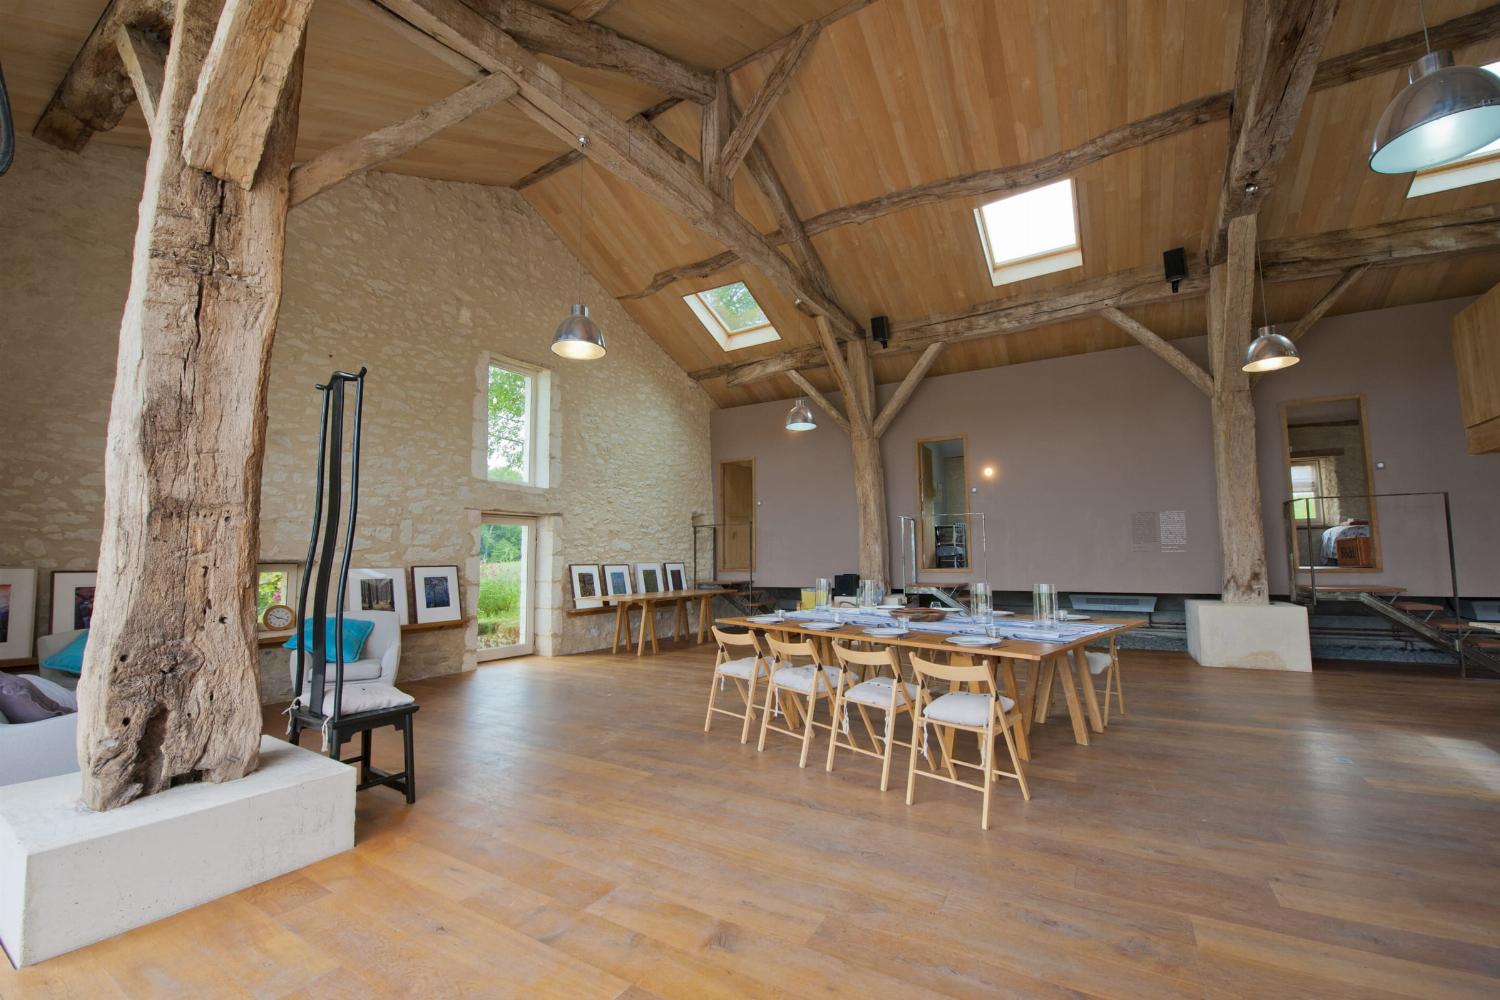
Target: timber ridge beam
[[1379, 57], [1473, 230]]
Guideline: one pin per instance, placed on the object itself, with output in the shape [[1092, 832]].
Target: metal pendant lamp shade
[[1445, 112], [1269, 351], [578, 337], [800, 418]]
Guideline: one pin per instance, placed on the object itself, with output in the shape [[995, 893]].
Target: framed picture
[[617, 579], [72, 600], [586, 589], [17, 612], [379, 590], [435, 593], [648, 578], [675, 576]]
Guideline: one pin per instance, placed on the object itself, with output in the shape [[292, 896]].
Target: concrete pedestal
[[70, 877], [1264, 636]]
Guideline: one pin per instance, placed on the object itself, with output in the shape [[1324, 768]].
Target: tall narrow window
[[1030, 234], [732, 316], [510, 419]]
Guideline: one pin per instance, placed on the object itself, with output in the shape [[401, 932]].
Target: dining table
[[1043, 657]]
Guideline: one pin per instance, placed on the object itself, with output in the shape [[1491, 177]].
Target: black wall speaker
[[880, 330], [1174, 264]]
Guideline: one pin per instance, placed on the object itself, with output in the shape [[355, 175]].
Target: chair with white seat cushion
[[1107, 662], [885, 692], [739, 659], [981, 710], [790, 681]]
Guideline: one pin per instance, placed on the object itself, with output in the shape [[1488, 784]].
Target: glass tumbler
[[980, 607], [824, 588], [1044, 603]]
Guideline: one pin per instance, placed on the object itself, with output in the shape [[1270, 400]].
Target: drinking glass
[[824, 588], [981, 609], [1044, 603], [809, 598]]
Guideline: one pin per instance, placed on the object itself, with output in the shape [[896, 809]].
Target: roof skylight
[[732, 316], [1479, 166], [1031, 233]]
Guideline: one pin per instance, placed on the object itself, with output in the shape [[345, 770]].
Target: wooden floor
[[1242, 834]]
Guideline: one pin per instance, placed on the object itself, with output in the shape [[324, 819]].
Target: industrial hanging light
[[578, 336], [1269, 351], [800, 418], [1443, 113]]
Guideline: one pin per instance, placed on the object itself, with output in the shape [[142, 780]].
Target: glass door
[[507, 547]]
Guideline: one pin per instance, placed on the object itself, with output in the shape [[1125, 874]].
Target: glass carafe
[[824, 588], [1044, 603], [980, 608]]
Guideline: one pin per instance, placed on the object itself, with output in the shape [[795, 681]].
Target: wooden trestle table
[[648, 602], [1035, 702]]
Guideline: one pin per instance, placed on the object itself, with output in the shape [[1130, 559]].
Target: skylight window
[[732, 316], [1476, 168], [1029, 234]]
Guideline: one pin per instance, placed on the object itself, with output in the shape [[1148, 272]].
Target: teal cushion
[[356, 631], [69, 659]]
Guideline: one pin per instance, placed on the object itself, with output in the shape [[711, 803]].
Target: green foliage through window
[[500, 564], [509, 425], [271, 589], [734, 307]]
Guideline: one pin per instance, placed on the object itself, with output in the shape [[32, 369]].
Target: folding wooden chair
[[1107, 662], [884, 693], [981, 711], [789, 681], [745, 671]]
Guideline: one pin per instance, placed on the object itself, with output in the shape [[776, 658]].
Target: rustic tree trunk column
[[170, 687], [1241, 536]]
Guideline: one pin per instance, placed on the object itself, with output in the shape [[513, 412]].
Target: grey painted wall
[[1083, 444]]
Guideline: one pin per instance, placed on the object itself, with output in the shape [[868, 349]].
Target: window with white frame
[[512, 440], [1030, 234], [1314, 491], [1476, 168], [275, 584], [732, 316]]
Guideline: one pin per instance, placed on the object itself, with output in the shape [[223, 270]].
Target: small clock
[[277, 618]]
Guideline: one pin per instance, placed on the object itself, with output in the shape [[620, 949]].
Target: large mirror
[[943, 497], [1329, 483]]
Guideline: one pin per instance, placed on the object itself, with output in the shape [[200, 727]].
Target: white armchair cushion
[[963, 708], [800, 679], [363, 697], [876, 693], [741, 668], [1097, 659]]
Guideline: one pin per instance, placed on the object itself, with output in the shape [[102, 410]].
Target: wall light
[[988, 472]]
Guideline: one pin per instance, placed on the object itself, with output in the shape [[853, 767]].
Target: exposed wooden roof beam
[[715, 125], [908, 385], [549, 32], [738, 145], [144, 57], [1280, 41], [422, 40], [625, 148], [1474, 230], [1320, 308], [359, 155], [811, 391], [1162, 348], [255, 46], [573, 156], [590, 9], [1369, 61], [96, 90]]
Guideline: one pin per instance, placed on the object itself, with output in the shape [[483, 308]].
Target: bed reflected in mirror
[[1327, 450]]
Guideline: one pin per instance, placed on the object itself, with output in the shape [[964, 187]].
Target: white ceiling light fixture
[[1269, 351], [800, 418], [578, 336], [1443, 113]]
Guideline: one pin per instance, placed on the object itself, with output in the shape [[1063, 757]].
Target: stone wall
[[420, 281]]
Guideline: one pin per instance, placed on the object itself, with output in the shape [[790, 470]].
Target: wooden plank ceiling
[[895, 93]]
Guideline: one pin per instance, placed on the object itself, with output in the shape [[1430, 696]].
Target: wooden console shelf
[[276, 640]]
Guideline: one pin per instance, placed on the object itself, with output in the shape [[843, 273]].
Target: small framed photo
[[617, 580], [17, 612], [676, 576], [435, 593], [72, 600], [648, 578], [586, 589], [379, 590]]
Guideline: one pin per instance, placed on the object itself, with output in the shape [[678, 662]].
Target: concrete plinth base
[[70, 877], [1264, 636]]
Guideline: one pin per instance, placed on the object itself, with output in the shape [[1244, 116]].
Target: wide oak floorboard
[[577, 835]]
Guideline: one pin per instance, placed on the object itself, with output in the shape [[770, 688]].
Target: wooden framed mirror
[[1326, 451], [943, 499]]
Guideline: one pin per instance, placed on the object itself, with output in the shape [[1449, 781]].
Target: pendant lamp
[[1443, 113], [1269, 351], [578, 336], [800, 417]]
